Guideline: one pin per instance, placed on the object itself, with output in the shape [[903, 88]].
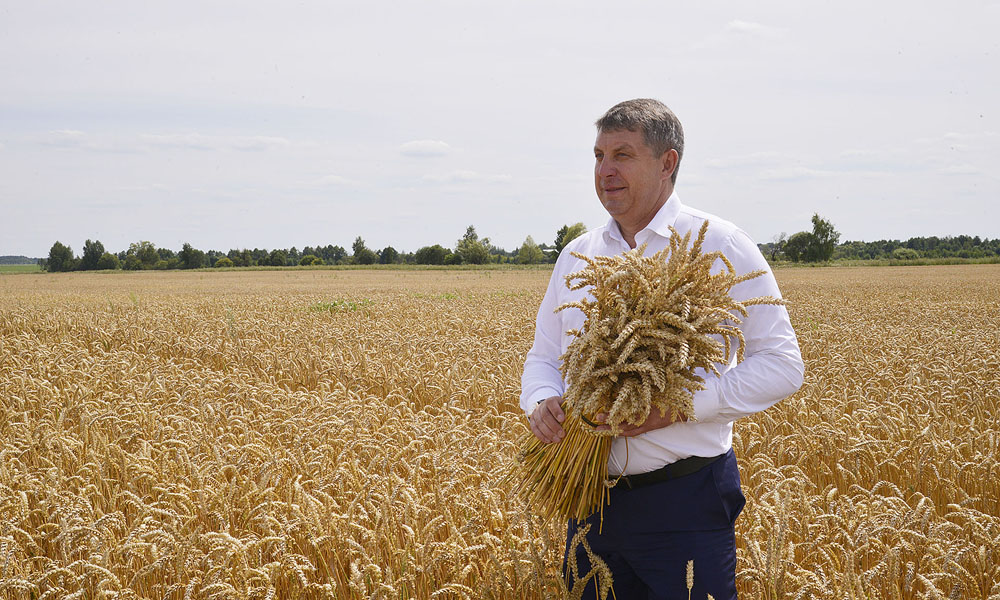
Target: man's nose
[[605, 168]]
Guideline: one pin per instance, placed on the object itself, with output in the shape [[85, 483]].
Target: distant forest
[[18, 260], [819, 245], [961, 246], [469, 249]]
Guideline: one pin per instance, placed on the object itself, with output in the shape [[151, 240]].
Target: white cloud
[[737, 30], [965, 169], [749, 28], [198, 141], [333, 181], [966, 137], [793, 174], [462, 176], [425, 148], [66, 138], [258, 142], [747, 160], [76, 139], [190, 141]]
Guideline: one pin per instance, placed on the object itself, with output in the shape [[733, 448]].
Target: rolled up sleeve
[[772, 368], [541, 378]]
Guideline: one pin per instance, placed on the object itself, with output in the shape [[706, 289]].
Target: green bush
[[109, 262]]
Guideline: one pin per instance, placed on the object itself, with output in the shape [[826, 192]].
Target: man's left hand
[[653, 421]]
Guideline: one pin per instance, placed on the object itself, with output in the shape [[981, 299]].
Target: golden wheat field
[[348, 434]]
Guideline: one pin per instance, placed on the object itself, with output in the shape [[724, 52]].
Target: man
[[680, 494]]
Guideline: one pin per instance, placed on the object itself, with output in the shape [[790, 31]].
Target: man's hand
[[546, 420], [653, 421]]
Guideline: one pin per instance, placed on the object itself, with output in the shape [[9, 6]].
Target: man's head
[[638, 148], [660, 128]]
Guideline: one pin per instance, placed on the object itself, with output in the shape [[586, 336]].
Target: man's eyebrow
[[620, 147]]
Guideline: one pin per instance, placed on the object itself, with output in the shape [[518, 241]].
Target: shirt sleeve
[[541, 378], [772, 368]]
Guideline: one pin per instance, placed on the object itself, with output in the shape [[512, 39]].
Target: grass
[[392, 267], [887, 262], [5, 269], [340, 305]]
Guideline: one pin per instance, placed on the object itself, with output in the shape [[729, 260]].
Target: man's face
[[629, 179]]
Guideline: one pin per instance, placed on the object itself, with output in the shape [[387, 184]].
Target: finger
[[551, 406], [534, 421], [549, 429], [552, 429], [544, 436], [601, 419], [634, 431]]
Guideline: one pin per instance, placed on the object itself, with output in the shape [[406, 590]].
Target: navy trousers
[[650, 533]]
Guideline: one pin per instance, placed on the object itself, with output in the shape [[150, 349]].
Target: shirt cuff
[[537, 396]]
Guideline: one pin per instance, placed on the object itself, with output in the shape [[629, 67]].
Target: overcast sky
[[278, 124]]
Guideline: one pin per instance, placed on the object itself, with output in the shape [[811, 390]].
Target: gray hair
[[660, 127]]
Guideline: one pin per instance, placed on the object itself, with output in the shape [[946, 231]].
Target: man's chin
[[614, 207]]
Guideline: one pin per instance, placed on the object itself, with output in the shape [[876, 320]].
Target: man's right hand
[[546, 420]]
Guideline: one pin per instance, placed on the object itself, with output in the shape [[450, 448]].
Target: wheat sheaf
[[651, 323]]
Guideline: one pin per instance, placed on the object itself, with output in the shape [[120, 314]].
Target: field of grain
[[347, 434]]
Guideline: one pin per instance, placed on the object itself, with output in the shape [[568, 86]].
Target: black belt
[[680, 468]]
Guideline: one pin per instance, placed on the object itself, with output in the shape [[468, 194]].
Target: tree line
[[143, 255], [822, 244]]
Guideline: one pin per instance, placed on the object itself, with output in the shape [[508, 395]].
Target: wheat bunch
[[651, 323]]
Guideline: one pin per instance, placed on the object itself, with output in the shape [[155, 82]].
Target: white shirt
[[771, 370]]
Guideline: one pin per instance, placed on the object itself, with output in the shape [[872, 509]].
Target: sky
[[278, 124]]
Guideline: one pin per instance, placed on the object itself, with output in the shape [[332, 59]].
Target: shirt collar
[[660, 225]]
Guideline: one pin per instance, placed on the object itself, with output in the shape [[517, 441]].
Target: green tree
[[277, 258], [431, 255], [132, 263], [225, 261], [824, 240], [796, 246], [191, 257], [362, 254], [92, 253], [367, 256], [471, 250], [109, 262], [568, 233], [61, 258], [166, 253], [309, 260], [778, 245], [530, 253], [388, 255], [146, 253], [333, 255]]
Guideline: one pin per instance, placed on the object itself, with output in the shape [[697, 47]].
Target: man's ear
[[670, 160]]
